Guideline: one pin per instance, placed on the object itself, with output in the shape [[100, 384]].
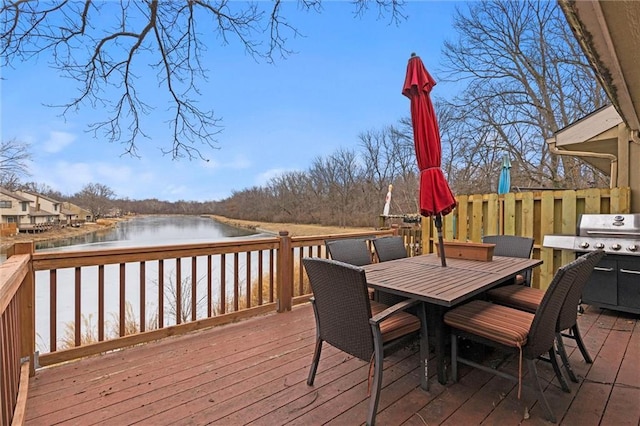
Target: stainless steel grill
[[615, 282], [619, 234]]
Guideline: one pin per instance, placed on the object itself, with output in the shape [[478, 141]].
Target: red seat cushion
[[517, 296], [501, 324], [507, 326]]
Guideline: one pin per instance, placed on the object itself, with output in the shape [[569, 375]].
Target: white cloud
[[266, 176], [58, 141], [73, 175]]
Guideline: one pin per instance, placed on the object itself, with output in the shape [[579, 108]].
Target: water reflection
[[148, 231]]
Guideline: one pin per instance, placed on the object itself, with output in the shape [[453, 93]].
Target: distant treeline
[[347, 188]]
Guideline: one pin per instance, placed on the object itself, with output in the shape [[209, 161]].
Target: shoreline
[[294, 229], [59, 234]]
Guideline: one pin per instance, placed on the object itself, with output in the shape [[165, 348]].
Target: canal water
[[149, 231]]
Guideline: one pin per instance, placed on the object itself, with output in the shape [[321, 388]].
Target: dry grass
[[293, 228]]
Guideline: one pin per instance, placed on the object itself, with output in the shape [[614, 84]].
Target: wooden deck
[[254, 372]]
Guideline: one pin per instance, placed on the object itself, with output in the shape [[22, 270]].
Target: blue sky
[[345, 79]]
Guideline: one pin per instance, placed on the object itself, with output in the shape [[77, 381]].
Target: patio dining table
[[443, 287]]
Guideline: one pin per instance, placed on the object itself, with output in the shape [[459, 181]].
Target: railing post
[[27, 310], [285, 273]]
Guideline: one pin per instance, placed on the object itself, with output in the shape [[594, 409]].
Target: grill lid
[[609, 225]]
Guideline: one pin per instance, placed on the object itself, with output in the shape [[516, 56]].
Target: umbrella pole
[[443, 258]]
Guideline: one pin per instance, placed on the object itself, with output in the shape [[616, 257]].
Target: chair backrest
[[510, 245], [342, 305], [543, 328], [390, 248], [569, 311], [353, 251]]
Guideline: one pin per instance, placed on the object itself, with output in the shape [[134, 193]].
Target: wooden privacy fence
[[528, 214]]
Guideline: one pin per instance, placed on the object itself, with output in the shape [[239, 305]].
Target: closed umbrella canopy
[[504, 181], [435, 195], [436, 198]]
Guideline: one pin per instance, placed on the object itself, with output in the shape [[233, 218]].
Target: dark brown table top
[[423, 277]]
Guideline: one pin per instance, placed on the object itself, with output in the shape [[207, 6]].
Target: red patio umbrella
[[436, 198]]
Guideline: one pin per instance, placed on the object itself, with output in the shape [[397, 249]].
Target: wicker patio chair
[[529, 299], [514, 330], [512, 246], [389, 248], [348, 320], [353, 251]]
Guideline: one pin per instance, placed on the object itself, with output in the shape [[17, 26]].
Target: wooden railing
[[529, 214], [16, 336], [89, 302]]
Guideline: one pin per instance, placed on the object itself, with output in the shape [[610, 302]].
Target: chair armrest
[[400, 306]]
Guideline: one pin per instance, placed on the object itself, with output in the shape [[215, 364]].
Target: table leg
[[441, 344], [424, 346]]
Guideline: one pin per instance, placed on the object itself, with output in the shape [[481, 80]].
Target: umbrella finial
[[413, 54]]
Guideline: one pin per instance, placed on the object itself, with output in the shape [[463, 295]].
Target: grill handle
[[619, 234], [600, 268], [629, 271]]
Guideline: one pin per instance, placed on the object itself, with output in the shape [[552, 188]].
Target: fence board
[[493, 213], [546, 227], [508, 218], [568, 225], [462, 211], [592, 201], [528, 218], [477, 222]]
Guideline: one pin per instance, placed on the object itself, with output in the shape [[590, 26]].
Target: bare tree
[[14, 163], [389, 158], [525, 79], [108, 47], [43, 189], [95, 197]]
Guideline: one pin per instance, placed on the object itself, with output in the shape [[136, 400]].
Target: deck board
[[254, 372]]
